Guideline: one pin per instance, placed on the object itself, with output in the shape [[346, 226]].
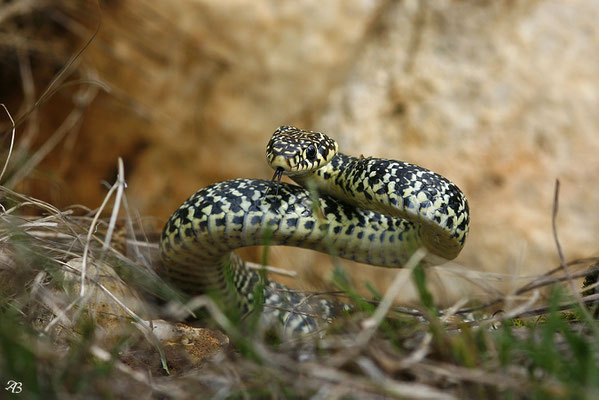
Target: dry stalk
[[12, 141], [120, 185], [270, 269], [563, 263], [90, 231], [370, 324]]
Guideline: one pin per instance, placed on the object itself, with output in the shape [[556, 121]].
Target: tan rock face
[[497, 99], [500, 97]]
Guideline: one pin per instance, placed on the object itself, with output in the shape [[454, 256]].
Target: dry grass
[[71, 328]]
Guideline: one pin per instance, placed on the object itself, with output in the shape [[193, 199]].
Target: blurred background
[[501, 97]]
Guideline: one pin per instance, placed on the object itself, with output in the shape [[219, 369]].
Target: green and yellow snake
[[372, 210]]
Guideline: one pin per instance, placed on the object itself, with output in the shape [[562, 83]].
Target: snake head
[[292, 151]]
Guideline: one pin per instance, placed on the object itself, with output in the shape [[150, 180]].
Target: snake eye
[[311, 152]]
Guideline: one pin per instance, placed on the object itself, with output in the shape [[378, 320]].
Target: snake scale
[[372, 210]]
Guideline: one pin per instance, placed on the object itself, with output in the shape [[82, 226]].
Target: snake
[[376, 211]]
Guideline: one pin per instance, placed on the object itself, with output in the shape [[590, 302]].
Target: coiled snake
[[372, 210]]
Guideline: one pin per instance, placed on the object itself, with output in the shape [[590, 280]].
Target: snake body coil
[[371, 210]]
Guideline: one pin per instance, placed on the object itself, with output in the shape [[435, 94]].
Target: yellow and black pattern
[[375, 211]]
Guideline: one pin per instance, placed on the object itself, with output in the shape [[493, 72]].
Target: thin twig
[[478, 375], [120, 183], [587, 300], [556, 239], [393, 291], [89, 237], [67, 125], [51, 88], [31, 130], [12, 141], [370, 324], [270, 269], [534, 284], [575, 292]]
